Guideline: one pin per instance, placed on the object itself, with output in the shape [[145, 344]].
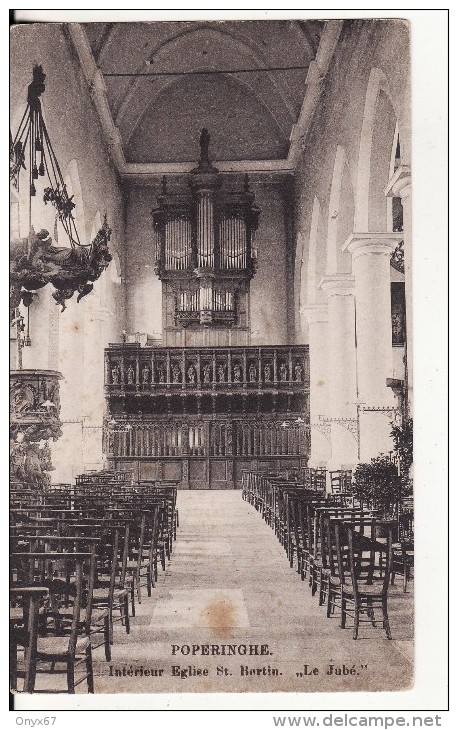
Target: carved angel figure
[[145, 374], [252, 372], [161, 374], [207, 372], [130, 375], [176, 373]]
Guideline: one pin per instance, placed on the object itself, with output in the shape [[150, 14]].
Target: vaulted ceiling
[[166, 81]]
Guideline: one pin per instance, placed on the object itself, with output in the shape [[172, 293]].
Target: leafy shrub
[[377, 484]]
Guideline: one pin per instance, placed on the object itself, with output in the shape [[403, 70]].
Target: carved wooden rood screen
[[202, 415]]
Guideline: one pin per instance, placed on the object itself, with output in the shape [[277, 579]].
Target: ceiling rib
[[94, 77], [241, 47], [258, 69], [279, 121]]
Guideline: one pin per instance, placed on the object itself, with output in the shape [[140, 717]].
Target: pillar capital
[[338, 284], [315, 313], [400, 183], [364, 244]]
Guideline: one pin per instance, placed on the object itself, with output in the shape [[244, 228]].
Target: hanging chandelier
[[35, 261]]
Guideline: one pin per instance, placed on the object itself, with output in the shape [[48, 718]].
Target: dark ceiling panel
[[239, 128], [251, 114]]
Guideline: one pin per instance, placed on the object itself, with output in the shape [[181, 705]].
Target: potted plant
[[377, 485], [402, 435]]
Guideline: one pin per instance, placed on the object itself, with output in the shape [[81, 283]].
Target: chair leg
[[343, 613], [126, 614], [108, 638], [71, 676], [406, 575], [89, 670], [111, 625], [356, 621], [324, 591], [148, 581], [132, 598], [386, 623], [329, 602], [13, 665], [314, 582]]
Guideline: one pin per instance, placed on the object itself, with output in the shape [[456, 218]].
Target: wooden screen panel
[[218, 474], [172, 470], [198, 478], [126, 466], [148, 470]]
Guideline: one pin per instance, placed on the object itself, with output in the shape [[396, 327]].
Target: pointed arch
[[340, 215], [309, 291], [377, 83]]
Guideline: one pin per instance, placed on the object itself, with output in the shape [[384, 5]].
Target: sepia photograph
[[211, 357]]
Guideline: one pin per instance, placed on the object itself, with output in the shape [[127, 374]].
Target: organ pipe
[[205, 231]]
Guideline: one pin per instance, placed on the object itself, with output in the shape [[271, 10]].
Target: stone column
[[317, 319], [341, 369], [371, 254], [400, 186], [96, 319]]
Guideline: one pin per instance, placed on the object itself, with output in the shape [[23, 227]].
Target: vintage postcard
[[212, 356]]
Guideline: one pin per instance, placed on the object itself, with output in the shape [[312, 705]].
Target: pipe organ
[[206, 405], [204, 249]]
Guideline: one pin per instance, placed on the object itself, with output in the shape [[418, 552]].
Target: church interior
[[211, 336]]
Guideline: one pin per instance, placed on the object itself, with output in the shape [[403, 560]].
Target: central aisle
[[229, 583]]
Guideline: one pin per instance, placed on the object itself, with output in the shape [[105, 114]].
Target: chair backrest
[[70, 583], [336, 482], [364, 557]]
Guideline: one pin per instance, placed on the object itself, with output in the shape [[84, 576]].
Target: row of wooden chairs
[[332, 542], [77, 570]]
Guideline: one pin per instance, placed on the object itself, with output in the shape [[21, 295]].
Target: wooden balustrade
[[148, 370]]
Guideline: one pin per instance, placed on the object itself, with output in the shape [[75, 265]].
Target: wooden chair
[[25, 605], [137, 567], [100, 626], [369, 564], [403, 562], [403, 551], [110, 590], [63, 636]]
